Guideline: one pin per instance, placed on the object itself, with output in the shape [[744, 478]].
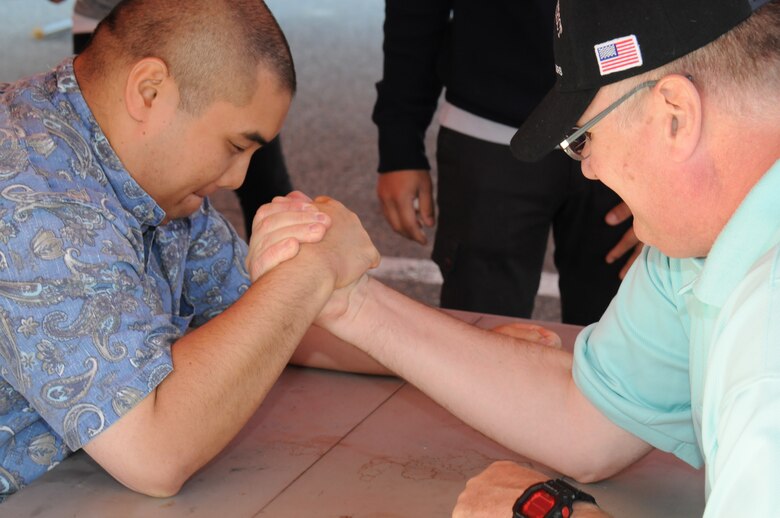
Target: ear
[[682, 115], [150, 88]]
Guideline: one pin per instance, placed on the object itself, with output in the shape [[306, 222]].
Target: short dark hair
[[213, 48]]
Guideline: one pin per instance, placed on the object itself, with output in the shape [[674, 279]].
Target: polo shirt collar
[[751, 232], [132, 197]]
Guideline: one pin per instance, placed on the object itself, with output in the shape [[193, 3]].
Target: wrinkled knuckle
[[261, 242], [264, 227]]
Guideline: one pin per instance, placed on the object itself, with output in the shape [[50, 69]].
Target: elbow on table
[[590, 474], [140, 453], [599, 465], [152, 475], [156, 481]]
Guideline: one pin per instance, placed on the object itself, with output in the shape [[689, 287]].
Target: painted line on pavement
[[426, 271]]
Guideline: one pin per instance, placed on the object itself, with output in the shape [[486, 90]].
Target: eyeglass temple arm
[[565, 143]]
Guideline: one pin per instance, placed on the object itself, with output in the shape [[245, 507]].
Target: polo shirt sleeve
[[633, 364]]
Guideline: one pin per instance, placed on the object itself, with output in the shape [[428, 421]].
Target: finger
[[280, 206], [298, 195], [325, 199], [634, 255], [274, 216], [291, 196], [303, 233], [391, 215], [410, 225], [618, 215], [427, 207], [518, 329], [398, 191], [626, 243], [397, 214], [530, 332], [272, 257]]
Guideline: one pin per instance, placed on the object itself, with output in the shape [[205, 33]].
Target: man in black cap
[[674, 104]]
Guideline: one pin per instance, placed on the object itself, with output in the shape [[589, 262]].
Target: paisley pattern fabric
[[93, 288]]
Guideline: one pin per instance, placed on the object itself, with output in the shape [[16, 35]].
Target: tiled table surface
[[328, 444]]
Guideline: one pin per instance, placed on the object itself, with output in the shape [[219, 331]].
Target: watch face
[[538, 504], [551, 499]]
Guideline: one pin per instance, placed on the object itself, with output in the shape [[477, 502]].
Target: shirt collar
[[751, 232], [132, 197]]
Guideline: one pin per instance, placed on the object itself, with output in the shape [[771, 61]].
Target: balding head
[[212, 48]]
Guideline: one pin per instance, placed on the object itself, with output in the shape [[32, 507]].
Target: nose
[[235, 174], [587, 171]]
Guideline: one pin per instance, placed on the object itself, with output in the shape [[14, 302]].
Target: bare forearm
[[323, 350], [521, 396], [237, 357], [587, 510], [222, 372]]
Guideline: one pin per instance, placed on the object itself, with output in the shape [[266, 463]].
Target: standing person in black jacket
[[495, 62]]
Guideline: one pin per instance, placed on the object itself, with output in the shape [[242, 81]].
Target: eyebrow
[[255, 137]]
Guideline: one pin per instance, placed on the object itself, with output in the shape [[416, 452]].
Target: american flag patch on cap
[[618, 54]]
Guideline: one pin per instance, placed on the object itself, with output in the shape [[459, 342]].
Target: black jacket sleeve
[[416, 33]]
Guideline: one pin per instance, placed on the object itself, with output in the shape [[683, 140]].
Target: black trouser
[[266, 175], [494, 218]]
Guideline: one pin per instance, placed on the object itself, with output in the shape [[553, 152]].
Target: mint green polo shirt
[[687, 356]]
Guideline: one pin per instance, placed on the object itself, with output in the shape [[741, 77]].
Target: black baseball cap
[[598, 42]]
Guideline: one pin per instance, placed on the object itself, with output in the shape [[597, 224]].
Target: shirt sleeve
[[633, 364], [215, 270], [82, 337], [415, 34]]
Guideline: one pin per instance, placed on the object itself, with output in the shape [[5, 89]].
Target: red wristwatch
[[551, 499]]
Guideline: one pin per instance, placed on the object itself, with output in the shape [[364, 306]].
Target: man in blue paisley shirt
[[134, 323]]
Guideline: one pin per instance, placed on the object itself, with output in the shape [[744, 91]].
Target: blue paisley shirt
[[93, 289]]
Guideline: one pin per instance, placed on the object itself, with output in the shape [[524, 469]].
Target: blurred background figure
[[495, 63]]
